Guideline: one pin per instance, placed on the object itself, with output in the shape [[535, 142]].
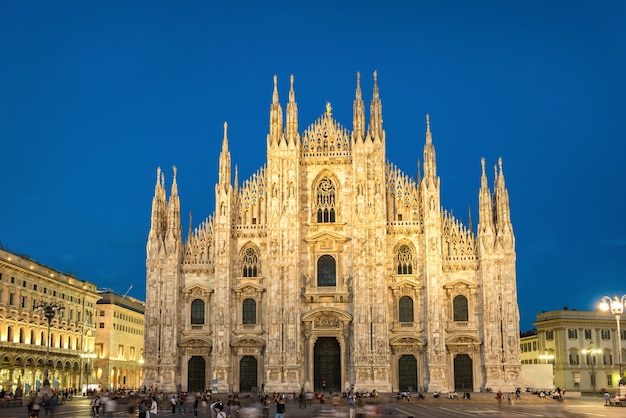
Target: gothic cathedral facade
[[331, 269]]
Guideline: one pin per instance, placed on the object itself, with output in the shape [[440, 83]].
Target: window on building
[[21, 333], [101, 313], [607, 359], [406, 309], [10, 334], [605, 334], [23, 302], [534, 345], [249, 312], [325, 202], [42, 339], [405, 260], [250, 263], [609, 380], [32, 337], [326, 271], [197, 312], [573, 359], [101, 325], [622, 334], [572, 334], [11, 299], [460, 308], [549, 334], [587, 334]]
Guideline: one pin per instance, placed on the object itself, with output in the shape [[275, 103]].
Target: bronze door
[[248, 372], [463, 373], [407, 373], [196, 368], [327, 366]]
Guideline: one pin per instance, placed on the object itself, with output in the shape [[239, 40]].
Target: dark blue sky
[[95, 95]]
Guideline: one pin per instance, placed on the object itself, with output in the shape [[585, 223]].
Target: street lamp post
[[89, 357], [49, 309], [592, 351], [616, 306]]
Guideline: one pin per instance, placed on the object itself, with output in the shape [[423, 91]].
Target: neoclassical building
[[583, 346], [329, 267], [24, 337], [118, 351]]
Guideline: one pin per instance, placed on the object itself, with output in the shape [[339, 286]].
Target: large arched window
[[459, 305], [250, 263], [325, 202], [405, 260], [406, 309], [197, 312], [326, 271], [249, 312]]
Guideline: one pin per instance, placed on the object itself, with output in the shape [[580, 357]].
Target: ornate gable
[[197, 292], [460, 286], [326, 141], [249, 289], [327, 240], [248, 341], [405, 287]]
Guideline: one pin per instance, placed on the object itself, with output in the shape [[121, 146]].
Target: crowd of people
[[147, 403], [48, 403]]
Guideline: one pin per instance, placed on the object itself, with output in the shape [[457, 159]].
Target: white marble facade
[[331, 268]]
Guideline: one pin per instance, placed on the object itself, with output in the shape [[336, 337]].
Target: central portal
[[327, 365]]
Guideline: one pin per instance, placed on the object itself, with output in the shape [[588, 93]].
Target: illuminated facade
[[566, 336], [331, 268], [23, 332], [118, 362]]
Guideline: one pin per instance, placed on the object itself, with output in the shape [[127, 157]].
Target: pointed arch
[[325, 189], [404, 257], [249, 258]]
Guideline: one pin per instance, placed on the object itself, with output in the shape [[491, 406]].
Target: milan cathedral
[[331, 269]]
